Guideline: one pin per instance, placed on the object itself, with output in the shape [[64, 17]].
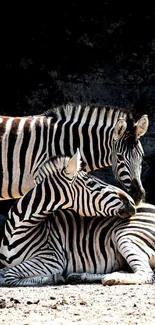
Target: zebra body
[[75, 249], [105, 137], [60, 184]]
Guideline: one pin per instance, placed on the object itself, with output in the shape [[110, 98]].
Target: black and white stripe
[[102, 134], [70, 248]]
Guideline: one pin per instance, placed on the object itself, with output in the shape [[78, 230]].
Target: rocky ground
[[78, 304]]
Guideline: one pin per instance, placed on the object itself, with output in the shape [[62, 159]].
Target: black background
[[96, 51]]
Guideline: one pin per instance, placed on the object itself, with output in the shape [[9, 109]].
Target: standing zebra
[[60, 184], [105, 137], [96, 249]]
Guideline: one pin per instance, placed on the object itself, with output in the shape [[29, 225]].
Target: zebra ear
[[142, 126], [74, 164], [119, 129]]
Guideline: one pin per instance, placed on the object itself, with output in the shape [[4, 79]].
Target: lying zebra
[[60, 183], [74, 249]]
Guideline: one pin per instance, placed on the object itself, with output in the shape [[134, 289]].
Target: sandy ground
[[78, 304]]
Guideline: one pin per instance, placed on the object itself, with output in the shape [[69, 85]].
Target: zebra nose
[[127, 211], [128, 208], [137, 192]]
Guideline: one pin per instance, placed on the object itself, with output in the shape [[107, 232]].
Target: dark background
[[88, 52]]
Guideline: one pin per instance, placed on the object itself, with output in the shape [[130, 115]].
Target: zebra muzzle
[[126, 211], [128, 208], [137, 192]]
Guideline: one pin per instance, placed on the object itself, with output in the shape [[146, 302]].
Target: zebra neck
[[89, 129]]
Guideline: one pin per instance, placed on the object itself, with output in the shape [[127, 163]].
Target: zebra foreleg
[[76, 278], [128, 278], [138, 260]]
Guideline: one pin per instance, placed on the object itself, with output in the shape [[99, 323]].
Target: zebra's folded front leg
[[137, 256], [76, 278], [128, 278]]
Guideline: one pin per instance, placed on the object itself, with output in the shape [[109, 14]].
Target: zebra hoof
[[58, 279], [74, 278], [109, 281]]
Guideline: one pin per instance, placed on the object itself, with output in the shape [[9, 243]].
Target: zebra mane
[[53, 165], [70, 109]]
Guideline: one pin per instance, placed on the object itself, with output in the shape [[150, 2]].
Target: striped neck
[[88, 128]]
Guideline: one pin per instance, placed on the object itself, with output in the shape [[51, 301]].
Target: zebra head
[[75, 189], [127, 155], [109, 200]]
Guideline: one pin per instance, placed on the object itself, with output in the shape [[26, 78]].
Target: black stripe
[[67, 135], [24, 147], [11, 143], [2, 130], [76, 138], [38, 139]]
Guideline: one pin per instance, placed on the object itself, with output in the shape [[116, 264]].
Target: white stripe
[[41, 144], [4, 155], [28, 211], [76, 117], [82, 123], [43, 196], [54, 141], [100, 124], [62, 136], [28, 157], [91, 124], [16, 157]]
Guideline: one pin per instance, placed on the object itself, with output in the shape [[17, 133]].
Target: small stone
[[2, 304], [83, 303], [52, 298]]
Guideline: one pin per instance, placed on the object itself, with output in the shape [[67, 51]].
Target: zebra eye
[[120, 157], [91, 183]]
